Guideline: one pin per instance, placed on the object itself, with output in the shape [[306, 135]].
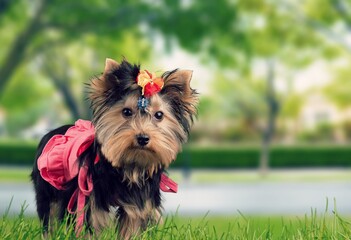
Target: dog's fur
[[127, 178]]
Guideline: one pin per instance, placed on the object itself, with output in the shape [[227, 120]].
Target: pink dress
[[58, 164]]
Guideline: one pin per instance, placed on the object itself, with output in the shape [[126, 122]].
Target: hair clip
[[143, 103], [149, 83]]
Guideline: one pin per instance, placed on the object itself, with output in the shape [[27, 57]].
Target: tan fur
[[187, 96], [54, 208], [137, 219], [100, 219], [99, 85], [54, 211], [118, 137]]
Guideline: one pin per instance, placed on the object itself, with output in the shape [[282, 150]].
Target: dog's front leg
[[129, 222], [132, 220]]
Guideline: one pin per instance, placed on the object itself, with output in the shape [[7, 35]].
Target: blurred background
[[273, 77]]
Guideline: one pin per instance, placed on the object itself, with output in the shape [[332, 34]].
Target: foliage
[[219, 157], [17, 153], [324, 132], [291, 106], [248, 156], [346, 128], [46, 55], [240, 133], [338, 89]]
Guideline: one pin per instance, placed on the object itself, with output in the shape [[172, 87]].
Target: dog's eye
[[159, 115], [127, 112]]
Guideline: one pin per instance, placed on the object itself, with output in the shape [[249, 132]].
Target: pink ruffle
[[58, 162]]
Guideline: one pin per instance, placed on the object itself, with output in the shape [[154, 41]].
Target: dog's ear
[[112, 85], [110, 65], [115, 81], [100, 85], [181, 96], [177, 83], [109, 79]]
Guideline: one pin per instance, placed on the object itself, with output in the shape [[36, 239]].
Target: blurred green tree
[[234, 34], [46, 32], [338, 90], [230, 35], [54, 37]]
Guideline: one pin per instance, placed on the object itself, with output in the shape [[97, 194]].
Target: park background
[[273, 78]]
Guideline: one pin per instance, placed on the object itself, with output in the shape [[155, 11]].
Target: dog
[[108, 172]]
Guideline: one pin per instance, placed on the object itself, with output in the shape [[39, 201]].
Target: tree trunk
[[61, 84], [18, 48], [268, 133], [67, 96]]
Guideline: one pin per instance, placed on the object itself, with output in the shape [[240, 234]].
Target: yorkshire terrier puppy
[[111, 170]]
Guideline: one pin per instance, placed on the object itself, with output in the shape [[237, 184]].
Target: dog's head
[[141, 120]]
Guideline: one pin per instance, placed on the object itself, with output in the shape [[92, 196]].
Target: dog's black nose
[[143, 139]]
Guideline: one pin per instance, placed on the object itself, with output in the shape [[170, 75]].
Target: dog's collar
[[167, 184], [58, 164]]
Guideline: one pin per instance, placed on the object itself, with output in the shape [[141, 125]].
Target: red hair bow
[[149, 83]]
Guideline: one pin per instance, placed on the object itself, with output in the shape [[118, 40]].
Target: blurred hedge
[[16, 153], [280, 157]]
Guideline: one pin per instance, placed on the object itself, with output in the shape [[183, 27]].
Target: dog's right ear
[[101, 86], [110, 66], [109, 79], [116, 80], [113, 84]]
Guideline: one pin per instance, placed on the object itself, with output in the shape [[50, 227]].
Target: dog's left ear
[[181, 96], [178, 82]]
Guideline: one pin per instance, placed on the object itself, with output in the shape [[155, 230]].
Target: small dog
[[111, 170]]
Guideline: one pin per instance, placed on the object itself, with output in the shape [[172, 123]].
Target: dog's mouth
[[142, 149], [143, 158], [140, 154]]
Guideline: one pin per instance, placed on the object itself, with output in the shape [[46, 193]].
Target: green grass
[[312, 226], [18, 175]]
